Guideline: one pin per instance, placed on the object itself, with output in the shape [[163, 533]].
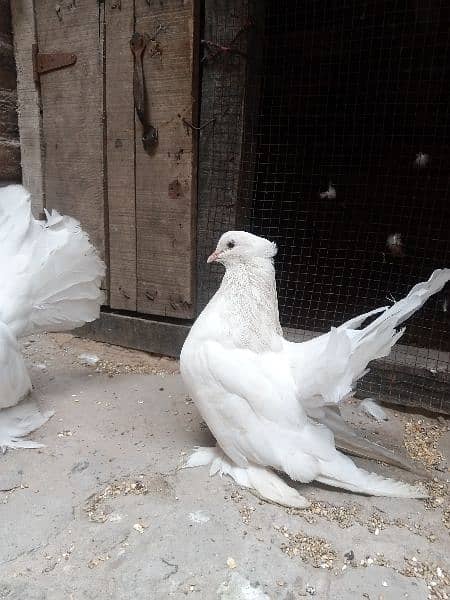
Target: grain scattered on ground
[[421, 440], [314, 550]]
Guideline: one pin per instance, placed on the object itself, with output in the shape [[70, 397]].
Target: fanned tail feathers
[[69, 292], [341, 356], [53, 273], [376, 339]]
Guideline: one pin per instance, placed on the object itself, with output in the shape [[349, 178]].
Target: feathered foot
[[261, 480], [17, 422]]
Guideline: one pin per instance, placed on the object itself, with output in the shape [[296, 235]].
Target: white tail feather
[[375, 485], [342, 355], [377, 339], [342, 472]]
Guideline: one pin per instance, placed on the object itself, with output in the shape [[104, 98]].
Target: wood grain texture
[[72, 105], [148, 335], [29, 113], [8, 115], [165, 180], [5, 17], [9, 160], [7, 64], [120, 155], [9, 133], [220, 144]]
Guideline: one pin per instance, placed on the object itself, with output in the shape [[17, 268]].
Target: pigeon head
[[239, 246]]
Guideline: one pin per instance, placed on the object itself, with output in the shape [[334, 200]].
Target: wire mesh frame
[[328, 133]]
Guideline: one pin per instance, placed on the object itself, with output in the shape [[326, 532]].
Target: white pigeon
[[263, 397], [51, 277]]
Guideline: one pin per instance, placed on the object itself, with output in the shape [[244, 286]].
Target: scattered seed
[[94, 562], [421, 441], [310, 549]]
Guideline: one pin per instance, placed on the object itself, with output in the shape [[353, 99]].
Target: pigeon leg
[[202, 456]]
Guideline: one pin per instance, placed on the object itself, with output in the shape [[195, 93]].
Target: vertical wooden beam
[[251, 112], [72, 109], [165, 180], [225, 101], [9, 133], [29, 104], [120, 154]]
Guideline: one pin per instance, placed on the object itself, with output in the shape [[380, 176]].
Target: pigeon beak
[[213, 257]]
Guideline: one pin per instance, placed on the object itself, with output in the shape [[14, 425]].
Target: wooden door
[[152, 198], [138, 208]]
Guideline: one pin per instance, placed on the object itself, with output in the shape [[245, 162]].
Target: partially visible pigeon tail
[[351, 442], [52, 273], [372, 484], [326, 368]]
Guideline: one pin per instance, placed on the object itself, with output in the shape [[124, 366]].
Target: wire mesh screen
[[331, 121]]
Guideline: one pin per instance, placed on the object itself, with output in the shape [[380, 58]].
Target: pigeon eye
[[231, 245]]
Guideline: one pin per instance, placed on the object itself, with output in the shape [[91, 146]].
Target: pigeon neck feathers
[[247, 301]]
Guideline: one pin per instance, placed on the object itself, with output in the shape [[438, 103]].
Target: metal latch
[[138, 44], [43, 63]]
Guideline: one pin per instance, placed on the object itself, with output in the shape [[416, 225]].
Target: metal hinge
[[43, 63]]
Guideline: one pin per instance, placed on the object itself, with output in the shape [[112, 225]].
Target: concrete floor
[[103, 511]]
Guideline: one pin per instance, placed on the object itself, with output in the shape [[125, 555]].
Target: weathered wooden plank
[[119, 27], [406, 386], [9, 134], [8, 114], [220, 144], [165, 180], [134, 332], [29, 113], [7, 64], [9, 160], [5, 17], [72, 105]]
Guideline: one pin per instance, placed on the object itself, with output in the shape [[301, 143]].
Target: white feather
[[257, 392], [330, 193], [263, 481], [51, 278], [51, 272], [371, 408], [421, 160]]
